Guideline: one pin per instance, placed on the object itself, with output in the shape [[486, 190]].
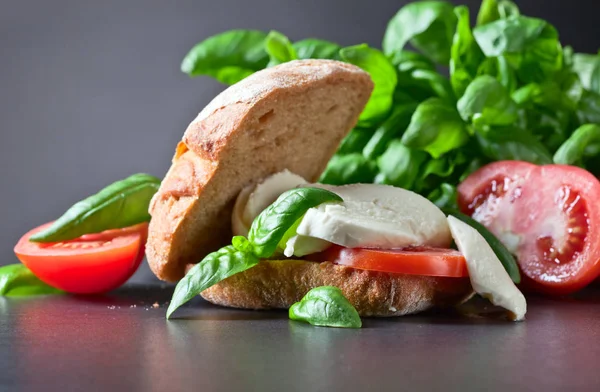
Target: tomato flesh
[[547, 216], [92, 263], [412, 261]]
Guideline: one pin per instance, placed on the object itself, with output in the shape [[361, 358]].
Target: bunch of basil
[[513, 92]]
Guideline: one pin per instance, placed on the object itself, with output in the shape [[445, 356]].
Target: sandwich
[[259, 147]]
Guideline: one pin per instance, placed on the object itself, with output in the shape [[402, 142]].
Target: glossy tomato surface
[[93, 263], [547, 216], [412, 261]]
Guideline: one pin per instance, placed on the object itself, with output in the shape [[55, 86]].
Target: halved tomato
[[547, 216], [412, 261], [93, 263]]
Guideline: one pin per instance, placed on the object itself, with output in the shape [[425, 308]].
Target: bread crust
[[230, 145], [277, 284]]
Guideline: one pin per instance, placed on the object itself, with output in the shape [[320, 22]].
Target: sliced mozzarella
[[488, 276], [378, 216], [253, 199], [301, 245]]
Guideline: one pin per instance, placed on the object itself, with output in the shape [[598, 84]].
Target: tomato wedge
[[547, 216], [93, 263], [412, 261]]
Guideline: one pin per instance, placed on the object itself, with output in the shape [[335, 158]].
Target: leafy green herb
[[279, 48], [383, 75], [228, 57], [509, 143], [427, 25], [270, 226], [355, 141], [510, 35], [583, 143], [435, 127], [486, 102], [326, 306], [465, 53], [503, 254], [391, 128], [588, 110], [399, 165], [445, 196], [312, 48], [518, 92], [214, 268], [121, 204], [488, 12], [349, 169], [16, 280], [587, 66]]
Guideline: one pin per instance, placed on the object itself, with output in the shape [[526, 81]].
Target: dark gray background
[[90, 91]]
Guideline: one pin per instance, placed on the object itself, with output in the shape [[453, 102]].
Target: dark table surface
[[121, 341]]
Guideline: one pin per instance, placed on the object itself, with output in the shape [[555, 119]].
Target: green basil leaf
[[427, 25], [399, 165], [583, 143], [435, 127], [503, 254], [488, 12], [312, 48], [349, 169], [499, 68], [510, 35], [588, 110], [548, 94], [445, 196], [355, 141], [214, 268], [16, 280], [507, 9], [270, 226], [326, 306], [587, 66], [437, 83], [542, 58], [393, 127], [466, 56], [511, 143], [279, 48], [487, 102], [121, 204], [383, 75], [228, 57], [408, 61]]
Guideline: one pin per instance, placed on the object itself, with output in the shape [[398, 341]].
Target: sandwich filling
[[380, 225]]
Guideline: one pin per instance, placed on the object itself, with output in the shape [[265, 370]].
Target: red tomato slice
[[93, 263], [412, 261], [548, 216]]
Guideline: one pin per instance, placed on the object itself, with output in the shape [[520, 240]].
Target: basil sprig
[[266, 232], [326, 306], [16, 280], [214, 268], [121, 204]]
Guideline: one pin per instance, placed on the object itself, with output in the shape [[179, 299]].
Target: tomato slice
[[412, 261], [93, 263], [547, 216]]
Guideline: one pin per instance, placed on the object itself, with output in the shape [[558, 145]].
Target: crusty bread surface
[[281, 283], [292, 116]]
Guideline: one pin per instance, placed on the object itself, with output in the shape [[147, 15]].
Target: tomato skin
[[91, 264], [548, 216], [411, 261]]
